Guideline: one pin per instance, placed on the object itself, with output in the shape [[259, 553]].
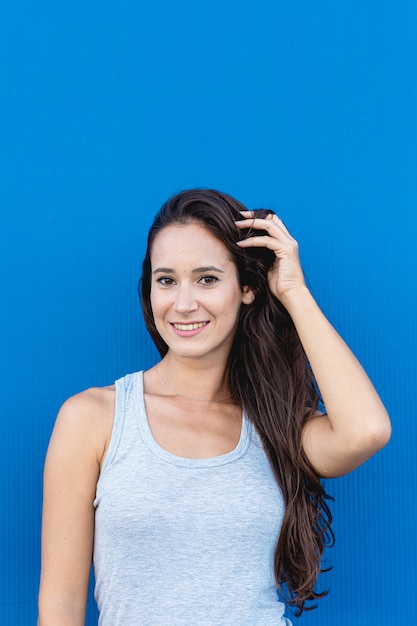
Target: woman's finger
[[265, 241], [269, 223]]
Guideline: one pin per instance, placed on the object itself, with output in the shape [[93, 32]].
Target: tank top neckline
[[172, 458]]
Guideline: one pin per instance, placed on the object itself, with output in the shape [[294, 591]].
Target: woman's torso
[[179, 540]]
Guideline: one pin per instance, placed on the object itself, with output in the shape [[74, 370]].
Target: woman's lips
[[188, 329]]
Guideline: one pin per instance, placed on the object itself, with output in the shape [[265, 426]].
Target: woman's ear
[[248, 294]]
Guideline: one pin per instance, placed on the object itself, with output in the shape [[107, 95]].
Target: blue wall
[[106, 109]]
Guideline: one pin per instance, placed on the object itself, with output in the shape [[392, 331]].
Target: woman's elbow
[[377, 433]]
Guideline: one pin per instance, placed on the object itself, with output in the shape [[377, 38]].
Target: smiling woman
[[197, 484]]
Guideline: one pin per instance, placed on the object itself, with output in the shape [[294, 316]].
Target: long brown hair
[[272, 380]]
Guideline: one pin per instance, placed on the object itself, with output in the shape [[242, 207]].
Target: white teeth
[[189, 326]]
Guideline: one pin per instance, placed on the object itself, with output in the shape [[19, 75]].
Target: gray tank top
[[179, 541]]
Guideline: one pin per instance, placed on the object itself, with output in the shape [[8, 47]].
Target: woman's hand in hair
[[286, 275]]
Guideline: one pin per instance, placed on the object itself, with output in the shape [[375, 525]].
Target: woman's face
[[195, 292]]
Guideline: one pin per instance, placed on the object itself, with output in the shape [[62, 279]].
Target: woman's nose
[[185, 300]]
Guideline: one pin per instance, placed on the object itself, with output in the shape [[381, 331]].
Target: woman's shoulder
[[87, 417], [90, 404]]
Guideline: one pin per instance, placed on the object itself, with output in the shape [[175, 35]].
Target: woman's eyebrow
[[197, 270], [207, 268]]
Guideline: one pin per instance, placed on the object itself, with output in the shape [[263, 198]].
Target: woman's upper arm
[[72, 469]]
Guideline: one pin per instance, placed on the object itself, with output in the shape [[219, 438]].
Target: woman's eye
[[208, 280], [166, 281]]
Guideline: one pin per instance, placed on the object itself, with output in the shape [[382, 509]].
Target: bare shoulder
[[85, 420], [91, 404]]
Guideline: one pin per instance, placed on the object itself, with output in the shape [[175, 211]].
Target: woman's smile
[[188, 329]]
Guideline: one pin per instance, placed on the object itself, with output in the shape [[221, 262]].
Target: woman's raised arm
[[356, 424]]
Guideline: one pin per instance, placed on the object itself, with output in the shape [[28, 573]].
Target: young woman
[[197, 483]]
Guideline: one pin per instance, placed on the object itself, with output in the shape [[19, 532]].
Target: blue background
[[106, 109]]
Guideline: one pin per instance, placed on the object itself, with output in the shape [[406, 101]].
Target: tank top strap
[[126, 416]]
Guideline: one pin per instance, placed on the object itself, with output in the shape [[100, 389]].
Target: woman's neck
[[194, 381]]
